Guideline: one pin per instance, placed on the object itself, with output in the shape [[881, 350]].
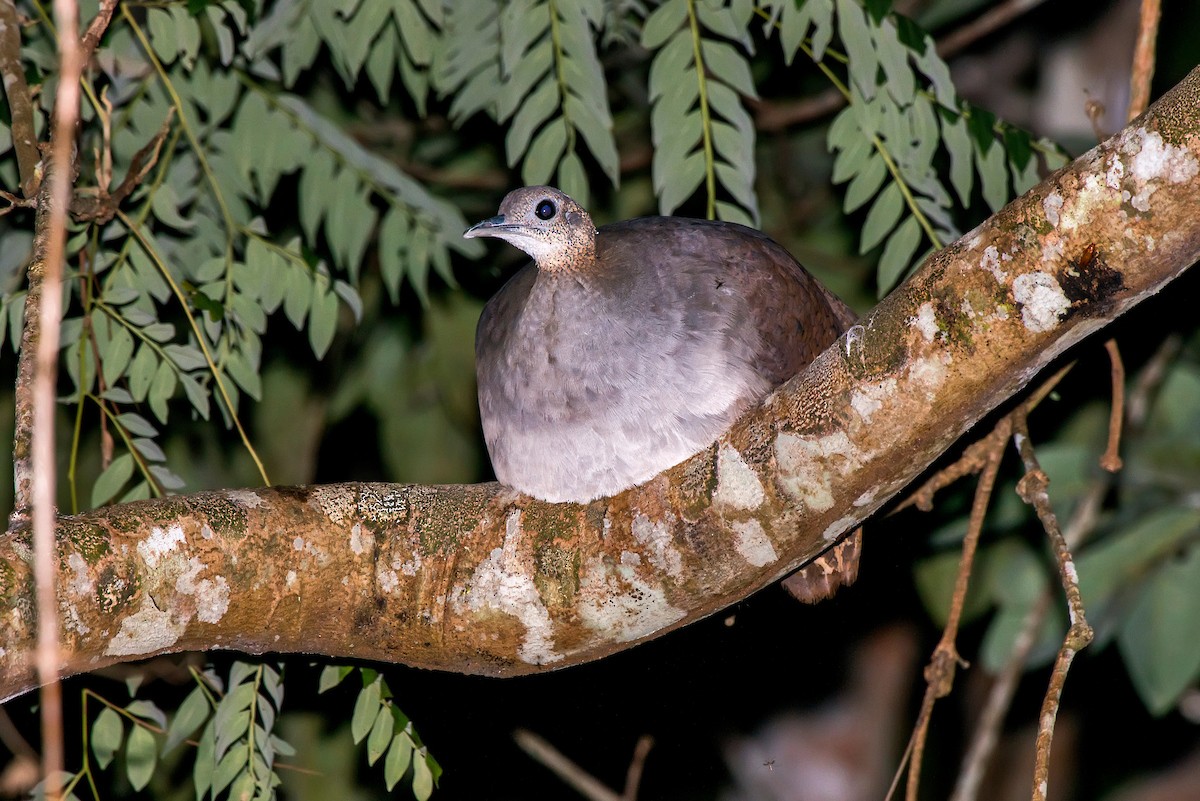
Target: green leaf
[[202, 769], [957, 141], [380, 736], [866, 183], [728, 65], [116, 354], [897, 254], [232, 765], [366, 709], [161, 390], [141, 754], [147, 710], [322, 323], [186, 357], [191, 715], [661, 24], [332, 676], [112, 479], [106, 736], [398, 758], [1160, 639], [993, 174], [197, 395], [422, 783], [882, 217], [856, 36]]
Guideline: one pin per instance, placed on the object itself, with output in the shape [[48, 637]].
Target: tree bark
[[479, 579]]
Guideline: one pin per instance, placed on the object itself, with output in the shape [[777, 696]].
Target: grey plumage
[[620, 353]]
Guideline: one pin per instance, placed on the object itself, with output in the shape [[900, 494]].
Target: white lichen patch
[[159, 543], [991, 262], [312, 549], [386, 578], [147, 630], [360, 543], [1115, 173], [807, 466], [630, 559], [212, 599], [866, 498], [1155, 159], [655, 536], [247, 498], [186, 581], [1052, 205], [80, 583], [929, 372], [618, 605], [500, 583], [752, 543], [869, 397], [926, 320], [289, 578], [410, 567], [336, 503], [1052, 249], [837, 528], [1041, 299], [211, 595], [738, 486], [1093, 194], [70, 619], [206, 532]]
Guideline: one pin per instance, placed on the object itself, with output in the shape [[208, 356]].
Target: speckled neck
[[576, 254]]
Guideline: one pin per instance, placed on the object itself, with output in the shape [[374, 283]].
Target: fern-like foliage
[[386, 730], [701, 131], [176, 293], [902, 113], [533, 65]]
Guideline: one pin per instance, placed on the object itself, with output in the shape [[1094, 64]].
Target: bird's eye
[[545, 210]]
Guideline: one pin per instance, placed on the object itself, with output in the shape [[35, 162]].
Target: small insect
[[769, 765], [1085, 261]]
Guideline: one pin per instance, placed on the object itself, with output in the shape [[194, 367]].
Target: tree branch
[[479, 579], [20, 102]]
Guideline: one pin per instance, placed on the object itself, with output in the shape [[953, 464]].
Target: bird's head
[[546, 224]]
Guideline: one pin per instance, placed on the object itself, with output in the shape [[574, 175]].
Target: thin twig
[[1145, 385], [62, 145], [991, 718], [1032, 489], [1143, 57], [1110, 460], [633, 776], [986, 23], [939, 674], [101, 206], [20, 102], [987, 731], [580, 780]]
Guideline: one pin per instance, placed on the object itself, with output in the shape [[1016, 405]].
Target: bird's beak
[[487, 227]]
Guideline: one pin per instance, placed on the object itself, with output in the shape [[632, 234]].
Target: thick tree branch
[[479, 579]]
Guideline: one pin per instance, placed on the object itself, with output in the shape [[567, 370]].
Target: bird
[[621, 351]]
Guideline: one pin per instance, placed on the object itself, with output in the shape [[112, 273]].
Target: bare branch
[[20, 102]]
